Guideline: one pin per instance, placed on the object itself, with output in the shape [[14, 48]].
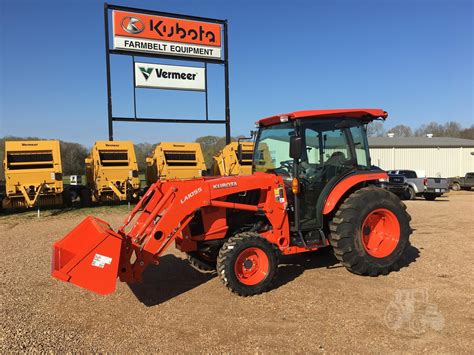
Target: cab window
[[360, 146]]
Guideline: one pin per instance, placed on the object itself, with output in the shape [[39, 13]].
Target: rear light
[[295, 186], [425, 181]]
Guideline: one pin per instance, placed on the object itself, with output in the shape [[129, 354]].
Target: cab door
[[332, 153], [323, 163]]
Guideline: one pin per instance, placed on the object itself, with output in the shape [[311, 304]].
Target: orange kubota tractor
[[314, 188]]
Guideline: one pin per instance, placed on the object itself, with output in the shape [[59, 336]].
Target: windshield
[[272, 148], [328, 144]]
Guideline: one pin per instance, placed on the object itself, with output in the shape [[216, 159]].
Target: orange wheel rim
[[251, 266], [380, 233]]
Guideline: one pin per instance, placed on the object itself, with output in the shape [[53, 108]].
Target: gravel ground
[[316, 306]]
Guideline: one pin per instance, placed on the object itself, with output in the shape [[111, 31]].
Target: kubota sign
[[166, 35], [148, 75]]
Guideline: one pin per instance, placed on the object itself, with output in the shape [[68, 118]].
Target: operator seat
[[334, 164], [319, 184]]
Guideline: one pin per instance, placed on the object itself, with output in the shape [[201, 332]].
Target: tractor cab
[[312, 151]]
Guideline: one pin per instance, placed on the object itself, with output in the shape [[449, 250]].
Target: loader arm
[[156, 221]]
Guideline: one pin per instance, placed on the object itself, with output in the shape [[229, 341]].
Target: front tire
[[370, 232], [456, 186], [247, 264]]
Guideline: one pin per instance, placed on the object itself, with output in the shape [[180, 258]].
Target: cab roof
[[366, 114]]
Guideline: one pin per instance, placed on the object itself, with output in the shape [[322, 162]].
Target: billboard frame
[[133, 54]]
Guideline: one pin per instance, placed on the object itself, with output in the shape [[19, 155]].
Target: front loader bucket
[[88, 256]]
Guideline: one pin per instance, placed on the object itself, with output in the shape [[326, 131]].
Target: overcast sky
[[413, 58]]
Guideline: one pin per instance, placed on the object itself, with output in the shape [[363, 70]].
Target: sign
[[148, 75], [155, 34]]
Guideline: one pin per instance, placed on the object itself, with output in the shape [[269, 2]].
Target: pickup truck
[[429, 188], [396, 184], [462, 183]]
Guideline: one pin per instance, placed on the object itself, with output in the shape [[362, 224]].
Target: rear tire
[[247, 264], [370, 232], [67, 198], [411, 194], [86, 200], [430, 197]]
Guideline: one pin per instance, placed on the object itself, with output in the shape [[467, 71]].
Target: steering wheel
[[288, 165], [312, 174]]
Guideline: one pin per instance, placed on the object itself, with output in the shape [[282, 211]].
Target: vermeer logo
[[146, 72], [160, 73]]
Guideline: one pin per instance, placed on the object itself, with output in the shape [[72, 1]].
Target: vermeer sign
[[148, 75]]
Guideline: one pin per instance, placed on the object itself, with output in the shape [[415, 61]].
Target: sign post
[[145, 33]]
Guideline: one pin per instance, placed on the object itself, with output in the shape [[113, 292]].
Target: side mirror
[[296, 147]]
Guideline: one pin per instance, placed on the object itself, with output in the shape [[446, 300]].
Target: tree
[[467, 133], [401, 131], [210, 146], [375, 129], [449, 129], [433, 128], [72, 158], [142, 150], [452, 129]]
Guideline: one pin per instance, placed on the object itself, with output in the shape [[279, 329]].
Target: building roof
[[358, 113], [419, 142]]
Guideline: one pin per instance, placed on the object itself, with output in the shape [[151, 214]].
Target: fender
[[346, 184], [413, 185]]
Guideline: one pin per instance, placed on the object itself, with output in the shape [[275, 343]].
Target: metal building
[[436, 156]]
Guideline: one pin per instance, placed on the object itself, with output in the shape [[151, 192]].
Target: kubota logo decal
[[224, 185], [132, 25], [191, 194]]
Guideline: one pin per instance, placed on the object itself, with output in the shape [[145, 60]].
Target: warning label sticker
[[101, 260], [279, 197]]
